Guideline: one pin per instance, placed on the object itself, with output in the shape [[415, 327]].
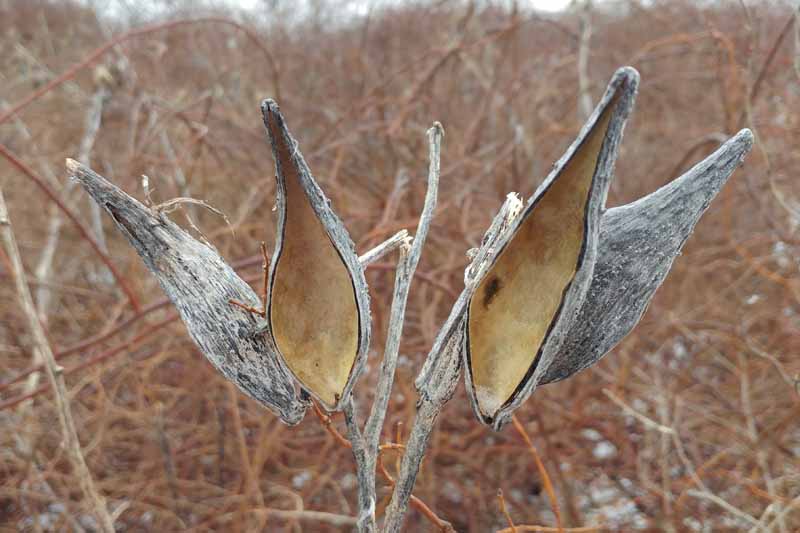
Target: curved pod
[[317, 300], [522, 308], [200, 285], [638, 244]]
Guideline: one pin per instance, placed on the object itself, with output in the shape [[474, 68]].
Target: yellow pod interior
[[515, 304], [313, 309]]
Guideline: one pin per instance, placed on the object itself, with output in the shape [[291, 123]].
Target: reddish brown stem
[[29, 172], [548, 485], [16, 400]]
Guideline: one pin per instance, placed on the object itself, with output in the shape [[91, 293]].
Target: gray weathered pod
[[522, 308], [317, 297], [200, 284], [638, 243]]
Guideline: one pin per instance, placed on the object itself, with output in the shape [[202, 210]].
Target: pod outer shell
[[200, 284], [333, 227], [621, 92], [638, 244]]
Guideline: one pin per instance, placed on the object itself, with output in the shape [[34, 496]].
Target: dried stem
[[386, 247], [365, 469], [439, 376], [44, 267], [585, 105], [501, 502], [409, 468], [365, 447], [98, 249], [418, 504], [55, 375], [405, 272], [548, 485]]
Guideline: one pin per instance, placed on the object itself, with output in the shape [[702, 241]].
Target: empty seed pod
[[200, 284], [638, 243], [317, 299], [529, 297]]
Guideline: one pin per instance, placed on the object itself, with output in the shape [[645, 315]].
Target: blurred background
[[690, 424]]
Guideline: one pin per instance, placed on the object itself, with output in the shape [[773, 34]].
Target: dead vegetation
[[689, 424]]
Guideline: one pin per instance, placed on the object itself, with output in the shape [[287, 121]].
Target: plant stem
[[55, 376]]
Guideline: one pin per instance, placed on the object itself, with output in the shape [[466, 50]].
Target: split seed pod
[[638, 243], [525, 304], [201, 284], [317, 299]]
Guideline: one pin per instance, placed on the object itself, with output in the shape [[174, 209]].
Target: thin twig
[[762, 73], [710, 496], [92, 125], [386, 247], [501, 501], [327, 423], [439, 376], [407, 264], [796, 61], [755, 440], [704, 492], [30, 173], [365, 469], [100, 51], [585, 105], [418, 504], [652, 424], [521, 528], [55, 375], [548, 485], [302, 515]]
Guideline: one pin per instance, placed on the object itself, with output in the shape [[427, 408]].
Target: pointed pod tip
[[96, 185], [745, 136], [626, 81], [733, 150], [274, 122], [268, 104], [270, 111], [629, 75]]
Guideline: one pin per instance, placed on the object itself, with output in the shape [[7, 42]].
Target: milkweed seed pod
[[638, 243], [200, 284], [527, 300], [317, 299]]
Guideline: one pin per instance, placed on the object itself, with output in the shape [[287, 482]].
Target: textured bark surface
[[438, 379], [319, 318], [200, 284], [638, 243]]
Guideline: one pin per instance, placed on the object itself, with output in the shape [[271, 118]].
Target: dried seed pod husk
[[526, 302], [638, 244], [317, 299], [200, 285]]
